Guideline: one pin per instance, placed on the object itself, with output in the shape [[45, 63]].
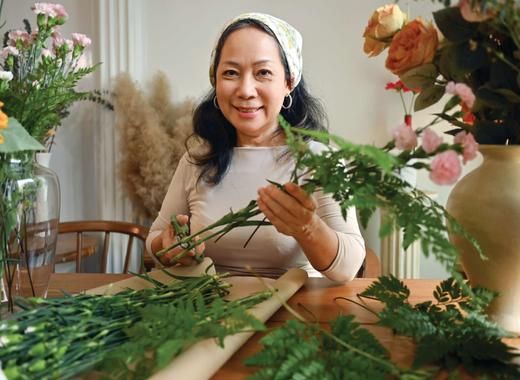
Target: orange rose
[[412, 46], [3, 118], [384, 23]]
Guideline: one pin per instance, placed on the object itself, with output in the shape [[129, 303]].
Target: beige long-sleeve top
[[269, 253]]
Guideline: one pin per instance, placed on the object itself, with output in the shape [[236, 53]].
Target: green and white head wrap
[[289, 39]]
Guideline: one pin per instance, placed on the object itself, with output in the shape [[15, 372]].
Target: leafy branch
[[364, 177], [451, 333]]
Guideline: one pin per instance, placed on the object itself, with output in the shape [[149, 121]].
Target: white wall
[[177, 38]]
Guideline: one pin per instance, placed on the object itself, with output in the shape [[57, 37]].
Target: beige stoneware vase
[[487, 203]]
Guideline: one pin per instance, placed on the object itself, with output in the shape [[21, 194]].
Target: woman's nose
[[247, 87]]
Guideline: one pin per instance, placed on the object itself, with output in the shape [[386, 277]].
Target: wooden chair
[[371, 266], [105, 228]]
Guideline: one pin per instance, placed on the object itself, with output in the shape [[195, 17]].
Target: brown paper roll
[[203, 359]]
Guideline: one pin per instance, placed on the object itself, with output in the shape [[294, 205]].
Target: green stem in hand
[[230, 221]]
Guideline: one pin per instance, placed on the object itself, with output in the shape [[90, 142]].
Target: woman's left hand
[[292, 212]]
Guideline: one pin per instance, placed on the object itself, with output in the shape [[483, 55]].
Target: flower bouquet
[[41, 70], [472, 55]]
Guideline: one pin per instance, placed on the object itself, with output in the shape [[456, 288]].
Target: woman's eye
[[230, 73], [264, 73]]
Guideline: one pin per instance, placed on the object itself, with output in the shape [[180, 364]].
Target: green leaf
[[453, 102], [454, 121], [387, 289], [428, 96], [420, 77], [492, 98], [509, 95], [17, 139]]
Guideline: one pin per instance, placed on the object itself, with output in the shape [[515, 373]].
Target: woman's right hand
[[167, 238]]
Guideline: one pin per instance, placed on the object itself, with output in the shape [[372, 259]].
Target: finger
[[182, 219], [170, 234], [279, 203], [300, 195], [277, 222], [199, 248], [173, 257]]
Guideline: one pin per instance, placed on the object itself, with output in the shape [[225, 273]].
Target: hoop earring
[[286, 107], [215, 104]]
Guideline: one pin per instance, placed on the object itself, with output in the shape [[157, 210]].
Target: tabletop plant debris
[[127, 335], [451, 334]]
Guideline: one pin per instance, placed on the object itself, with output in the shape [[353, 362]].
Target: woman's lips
[[248, 112]]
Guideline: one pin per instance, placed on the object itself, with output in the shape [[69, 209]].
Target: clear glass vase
[[30, 209]]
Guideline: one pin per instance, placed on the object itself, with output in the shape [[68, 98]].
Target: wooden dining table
[[319, 300]]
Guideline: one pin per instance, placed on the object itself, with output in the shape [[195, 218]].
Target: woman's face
[[251, 86]]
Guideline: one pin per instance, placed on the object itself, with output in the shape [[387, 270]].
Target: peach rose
[[473, 14], [412, 46], [384, 23]]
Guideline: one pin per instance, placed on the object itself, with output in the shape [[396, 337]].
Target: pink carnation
[[404, 137], [18, 35], [463, 91], [60, 11], [58, 41], [430, 141], [469, 145], [44, 9], [9, 50], [81, 40], [445, 168], [46, 53], [50, 10]]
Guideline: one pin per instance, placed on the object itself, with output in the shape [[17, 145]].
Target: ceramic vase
[[487, 203]]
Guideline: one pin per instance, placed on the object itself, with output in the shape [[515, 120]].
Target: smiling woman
[[251, 87], [256, 74]]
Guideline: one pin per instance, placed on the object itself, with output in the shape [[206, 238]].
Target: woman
[[256, 73]]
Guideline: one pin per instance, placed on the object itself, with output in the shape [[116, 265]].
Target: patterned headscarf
[[289, 39]]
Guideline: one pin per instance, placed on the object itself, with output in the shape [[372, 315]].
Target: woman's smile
[[248, 112]]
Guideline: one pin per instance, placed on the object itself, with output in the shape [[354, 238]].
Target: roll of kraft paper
[[189, 365]]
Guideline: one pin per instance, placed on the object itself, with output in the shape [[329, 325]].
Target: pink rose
[[445, 168], [404, 137], [469, 145], [463, 91], [430, 141]]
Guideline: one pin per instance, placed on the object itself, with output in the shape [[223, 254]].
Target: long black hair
[[220, 135]]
